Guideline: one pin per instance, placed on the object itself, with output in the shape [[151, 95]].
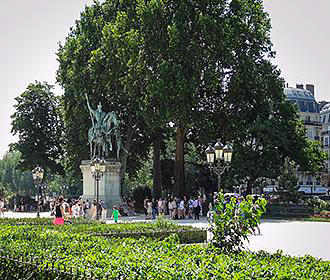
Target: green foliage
[[200, 68], [143, 177], [288, 181], [314, 157], [100, 58], [30, 251], [318, 204], [37, 122], [234, 220], [12, 179]]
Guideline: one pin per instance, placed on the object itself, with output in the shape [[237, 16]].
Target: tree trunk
[[156, 167], [249, 185], [179, 185], [127, 147]]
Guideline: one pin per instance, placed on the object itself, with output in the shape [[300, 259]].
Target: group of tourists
[[175, 208], [65, 210]]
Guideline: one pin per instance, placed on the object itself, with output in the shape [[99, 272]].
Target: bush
[[318, 204], [234, 220], [37, 253]]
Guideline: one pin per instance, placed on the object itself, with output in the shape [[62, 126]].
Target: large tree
[[97, 59], [12, 179], [38, 124], [201, 66]]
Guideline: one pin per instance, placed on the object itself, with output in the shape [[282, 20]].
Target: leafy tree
[[37, 122], [234, 220], [12, 179], [288, 181], [203, 68], [98, 59]]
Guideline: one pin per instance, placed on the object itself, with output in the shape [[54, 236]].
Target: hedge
[[185, 236], [78, 254], [158, 230]]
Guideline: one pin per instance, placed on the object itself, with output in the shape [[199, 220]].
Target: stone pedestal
[[109, 184]]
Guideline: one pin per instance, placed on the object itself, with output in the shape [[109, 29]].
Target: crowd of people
[[176, 208], [65, 210]]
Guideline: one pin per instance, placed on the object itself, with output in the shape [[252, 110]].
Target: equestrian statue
[[103, 133]]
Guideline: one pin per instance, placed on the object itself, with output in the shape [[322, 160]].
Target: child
[[115, 214]]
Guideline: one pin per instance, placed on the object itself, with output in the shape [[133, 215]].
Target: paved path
[[296, 238]]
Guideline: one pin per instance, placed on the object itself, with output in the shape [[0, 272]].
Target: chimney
[[310, 88], [300, 86]]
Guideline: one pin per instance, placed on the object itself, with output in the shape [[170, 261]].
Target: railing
[[327, 132], [289, 210], [27, 266], [315, 123]]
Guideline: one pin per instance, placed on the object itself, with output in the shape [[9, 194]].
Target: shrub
[[234, 220], [36, 253]]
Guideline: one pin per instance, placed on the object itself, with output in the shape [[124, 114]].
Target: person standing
[[174, 209], [197, 209], [2, 208], [59, 212], [145, 205], [149, 210], [75, 210], [190, 208], [154, 208], [181, 210], [93, 211], [115, 214], [160, 206], [103, 212], [170, 208]]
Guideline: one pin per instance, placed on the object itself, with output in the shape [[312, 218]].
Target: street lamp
[[64, 189], [37, 175], [97, 170], [219, 158]]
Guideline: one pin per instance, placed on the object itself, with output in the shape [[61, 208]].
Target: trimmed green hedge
[[186, 236], [36, 252], [39, 221]]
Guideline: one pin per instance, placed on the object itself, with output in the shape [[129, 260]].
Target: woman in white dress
[[2, 208], [149, 210]]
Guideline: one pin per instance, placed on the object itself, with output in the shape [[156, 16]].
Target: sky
[[31, 29]]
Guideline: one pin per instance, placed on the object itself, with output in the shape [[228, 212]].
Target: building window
[[309, 180], [326, 141]]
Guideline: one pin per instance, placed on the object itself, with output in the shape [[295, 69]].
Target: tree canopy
[[198, 70], [37, 122]]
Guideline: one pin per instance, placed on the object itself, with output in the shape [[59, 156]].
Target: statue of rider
[[100, 129]]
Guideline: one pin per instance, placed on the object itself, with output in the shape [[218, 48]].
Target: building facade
[[309, 112], [325, 141]]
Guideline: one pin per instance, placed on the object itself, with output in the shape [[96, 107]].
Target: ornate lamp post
[[219, 158], [97, 170], [37, 175], [64, 189]]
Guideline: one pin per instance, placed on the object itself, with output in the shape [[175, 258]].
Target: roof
[[325, 109], [296, 93]]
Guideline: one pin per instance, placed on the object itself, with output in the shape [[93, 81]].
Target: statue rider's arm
[[89, 107]]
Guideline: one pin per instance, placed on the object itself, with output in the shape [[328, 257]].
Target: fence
[[25, 267], [289, 210]]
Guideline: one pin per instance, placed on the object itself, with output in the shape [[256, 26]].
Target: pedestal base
[[109, 184]]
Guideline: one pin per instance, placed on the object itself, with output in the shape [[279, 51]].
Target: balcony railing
[[315, 123], [327, 132]]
